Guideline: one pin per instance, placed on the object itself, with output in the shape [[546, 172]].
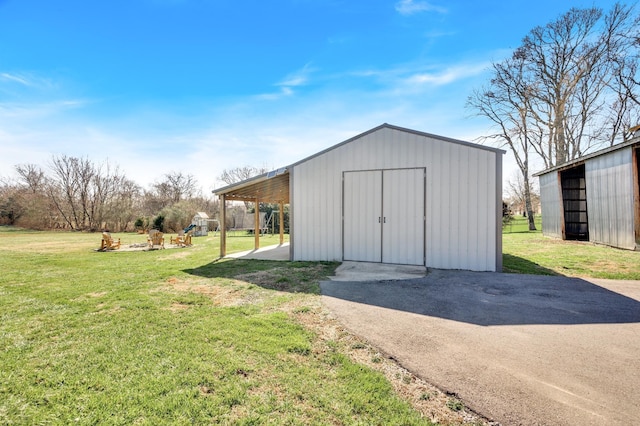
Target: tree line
[[571, 87], [77, 194]]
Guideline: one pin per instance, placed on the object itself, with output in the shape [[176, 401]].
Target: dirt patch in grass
[[308, 310], [232, 293], [103, 309], [295, 280], [424, 397], [177, 307], [177, 254]]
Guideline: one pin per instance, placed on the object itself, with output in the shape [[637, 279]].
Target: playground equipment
[[199, 225], [242, 221]]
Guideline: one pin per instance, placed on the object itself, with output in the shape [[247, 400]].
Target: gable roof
[[274, 187], [401, 129]]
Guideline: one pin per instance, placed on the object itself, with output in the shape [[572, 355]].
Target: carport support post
[[281, 222], [223, 225], [256, 221]]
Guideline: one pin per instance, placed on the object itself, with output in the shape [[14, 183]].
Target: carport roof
[[270, 187]]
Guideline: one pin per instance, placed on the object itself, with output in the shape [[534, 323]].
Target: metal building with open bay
[[390, 195], [595, 198]]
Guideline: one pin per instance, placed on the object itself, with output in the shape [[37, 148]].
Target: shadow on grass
[[519, 265], [293, 277]]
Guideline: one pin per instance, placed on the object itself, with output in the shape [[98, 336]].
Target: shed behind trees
[[595, 198], [390, 195]]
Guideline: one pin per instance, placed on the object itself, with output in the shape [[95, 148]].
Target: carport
[[272, 187]]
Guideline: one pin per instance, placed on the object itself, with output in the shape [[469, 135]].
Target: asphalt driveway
[[519, 349]]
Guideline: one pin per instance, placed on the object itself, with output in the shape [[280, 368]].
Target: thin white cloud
[[411, 7], [20, 112], [287, 85], [26, 80], [283, 92], [294, 81], [297, 78], [415, 75], [448, 75], [15, 79]]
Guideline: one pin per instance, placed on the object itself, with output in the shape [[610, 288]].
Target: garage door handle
[[385, 219], [378, 219]]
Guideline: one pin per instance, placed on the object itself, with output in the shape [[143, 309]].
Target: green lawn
[[530, 252], [171, 337], [179, 337]]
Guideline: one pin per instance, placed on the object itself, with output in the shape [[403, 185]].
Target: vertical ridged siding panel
[[403, 216], [460, 197], [362, 209], [610, 199], [552, 209]]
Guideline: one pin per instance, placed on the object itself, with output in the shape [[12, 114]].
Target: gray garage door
[[384, 216]]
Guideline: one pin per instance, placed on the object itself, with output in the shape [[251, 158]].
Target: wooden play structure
[[200, 224]]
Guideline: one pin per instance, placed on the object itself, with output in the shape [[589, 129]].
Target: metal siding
[[452, 190], [455, 201], [362, 230], [610, 199], [467, 221], [551, 205], [483, 211], [498, 206], [436, 209], [403, 216]]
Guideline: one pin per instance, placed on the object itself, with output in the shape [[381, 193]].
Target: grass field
[[172, 337], [530, 252], [178, 337]]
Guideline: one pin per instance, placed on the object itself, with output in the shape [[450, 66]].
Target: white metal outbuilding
[[595, 198], [390, 195]]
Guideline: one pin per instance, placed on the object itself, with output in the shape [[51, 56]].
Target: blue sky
[[199, 86]]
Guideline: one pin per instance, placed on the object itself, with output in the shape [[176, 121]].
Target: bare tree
[[124, 207], [82, 191], [32, 190], [516, 194], [175, 187], [624, 110], [505, 104], [32, 176], [65, 189], [231, 176], [568, 89], [76, 193], [11, 207]]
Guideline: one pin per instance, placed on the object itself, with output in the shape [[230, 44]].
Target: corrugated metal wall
[[463, 197], [610, 199], [362, 204], [552, 210]]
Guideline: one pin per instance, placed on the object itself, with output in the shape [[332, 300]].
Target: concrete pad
[[519, 349], [365, 271], [274, 252]]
